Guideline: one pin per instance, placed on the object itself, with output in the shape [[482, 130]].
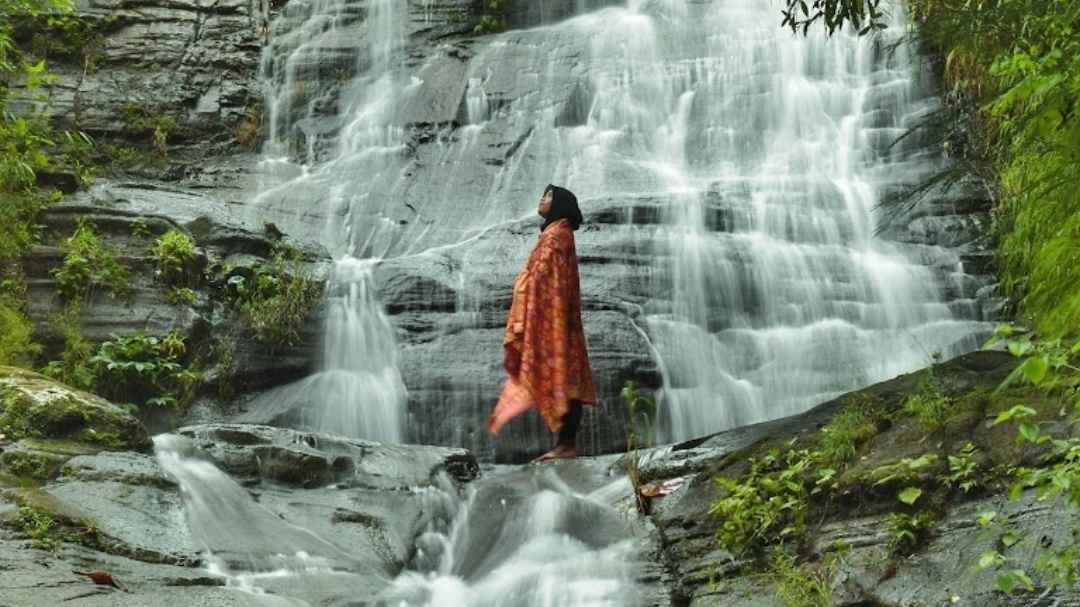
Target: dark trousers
[[570, 424]]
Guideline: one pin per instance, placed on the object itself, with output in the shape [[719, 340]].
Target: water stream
[[521, 537]]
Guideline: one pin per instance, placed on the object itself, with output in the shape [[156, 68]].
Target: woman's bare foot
[[559, 452]]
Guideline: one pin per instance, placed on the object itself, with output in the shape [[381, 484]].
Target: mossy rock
[[37, 460], [36, 407]]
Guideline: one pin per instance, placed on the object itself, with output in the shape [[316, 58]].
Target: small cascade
[[358, 391], [256, 552], [526, 539]]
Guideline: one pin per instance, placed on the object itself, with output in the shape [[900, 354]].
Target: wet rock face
[[308, 460], [193, 62], [942, 569], [129, 217]]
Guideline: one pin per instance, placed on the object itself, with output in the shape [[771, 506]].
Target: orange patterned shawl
[[544, 346]]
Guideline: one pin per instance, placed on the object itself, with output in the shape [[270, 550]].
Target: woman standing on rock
[[544, 346]]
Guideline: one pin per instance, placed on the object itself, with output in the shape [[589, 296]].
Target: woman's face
[[545, 204]]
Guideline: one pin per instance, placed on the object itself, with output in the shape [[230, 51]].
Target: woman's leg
[[566, 447], [570, 424]]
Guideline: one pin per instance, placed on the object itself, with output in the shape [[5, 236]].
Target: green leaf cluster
[[89, 264], [174, 255], [277, 298]]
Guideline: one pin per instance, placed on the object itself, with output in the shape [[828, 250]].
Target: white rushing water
[[520, 538], [544, 546], [358, 390], [760, 155]]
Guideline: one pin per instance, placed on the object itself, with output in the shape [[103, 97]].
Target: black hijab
[[563, 206]]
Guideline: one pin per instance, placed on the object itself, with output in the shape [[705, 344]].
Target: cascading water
[[755, 157], [520, 537], [527, 539], [358, 390], [248, 545]]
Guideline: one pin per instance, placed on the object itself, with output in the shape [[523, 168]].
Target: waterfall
[[748, 161], [244, 542], [541, 547], [520, 537], [358, 390]]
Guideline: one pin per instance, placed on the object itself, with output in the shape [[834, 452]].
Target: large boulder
[[33, 406]]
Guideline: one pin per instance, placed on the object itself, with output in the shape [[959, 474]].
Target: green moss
[[31, 463], [31, 406], [860, 418]]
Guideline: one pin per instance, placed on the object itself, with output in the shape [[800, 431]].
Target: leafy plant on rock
[[89, 264], [144, 370], [277, 298]]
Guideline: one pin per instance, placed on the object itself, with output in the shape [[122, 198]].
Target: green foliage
[[641, 410], [929, 405], [801, 585], [1057, 373], [144, 370], [277, 298], [863, 15], [73, 368], [224, 353], [89, 264], [1019, 61], [66, 37], [16, 344], [174, 255], [158, 126], [40, 527], [494, 17], [768, 504], [855, 423], [907, 470], [908, 532], [140, 229], [964, 468]]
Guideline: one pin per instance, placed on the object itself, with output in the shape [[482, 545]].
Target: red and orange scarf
[[544, 347]]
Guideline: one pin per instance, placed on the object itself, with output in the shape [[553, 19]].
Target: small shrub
[[801, 585], [40, 527], [929, 405], [16, 346], [855, 423], [139, 228], [963, 468], [908, 532], [181, 296], [766, 505], [73, 368], [225, 354], [144, 370], [159, 126], [89, 264], [494, 18], [174, 255], [277, 299]]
